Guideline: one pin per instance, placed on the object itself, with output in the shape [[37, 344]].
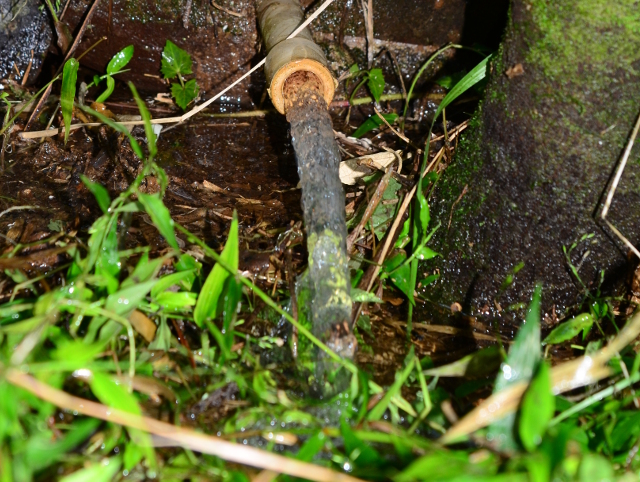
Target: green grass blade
[[69, 77], [160, 216], [146, 117], [207, 304]]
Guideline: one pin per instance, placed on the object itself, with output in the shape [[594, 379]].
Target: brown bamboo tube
[[286, 57]]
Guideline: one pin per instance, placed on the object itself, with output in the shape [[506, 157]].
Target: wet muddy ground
[[215, 166]]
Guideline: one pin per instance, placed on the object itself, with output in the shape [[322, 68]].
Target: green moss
[[608, 31]]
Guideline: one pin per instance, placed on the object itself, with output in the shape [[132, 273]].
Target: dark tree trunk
[[563, 95]]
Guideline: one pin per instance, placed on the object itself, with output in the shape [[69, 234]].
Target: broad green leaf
[[424, 253], [373, 122], [362, 296], [146, 117], [117, 126], [311, 447], [103, 471], [76, 351], [132, 455], [569, 329], [537, 409], [232, 297], [113, 394], [478, 73], [595, 468], [109, 260], [522, 361], [399, 274], [625, 432], [41, 451], [99, 192], [171, 301], [160, 216], [120, 60], [126, 300], [170, 280], [360, 453], [175, 61], [435, 466], [376, 83], [68, 92], [185, 95], [207, 304]]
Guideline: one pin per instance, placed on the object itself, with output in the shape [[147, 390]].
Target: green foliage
[[376, 83], [176, 62], [569, 329], [538, 407], [374, 79], [207, 304], [520, 365], [68, 92], [115, 66], [372, 123]]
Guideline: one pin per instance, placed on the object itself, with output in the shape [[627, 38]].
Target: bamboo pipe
[[288, 58]]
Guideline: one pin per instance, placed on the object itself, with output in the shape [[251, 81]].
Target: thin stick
[[614, 186], [401, 136], [25, 78], [195, 110], [183, 437], [226, 10]]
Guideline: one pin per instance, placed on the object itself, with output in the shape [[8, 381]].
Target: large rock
[[564, 93], [25, 31]]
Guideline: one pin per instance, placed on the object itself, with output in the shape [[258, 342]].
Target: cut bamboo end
[[277, 87]]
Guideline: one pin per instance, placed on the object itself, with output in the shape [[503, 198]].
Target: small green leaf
[[99, 192], [120, 60], [538, 407], [207, 304], [376, 83], [569, 329], [423, 217], [184, 95], [160, 216], [162, 340], [362, 296], [399, 273], [126, 300], [424, 253], [69, 76], [96, 80], [111, 84], [373, 122], [113, 394], [175, 61]]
